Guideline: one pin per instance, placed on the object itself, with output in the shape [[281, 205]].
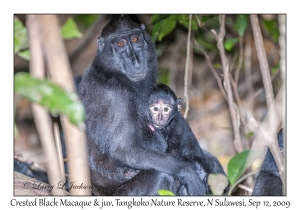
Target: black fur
[[268, 181], [114, 92], [182, 143]]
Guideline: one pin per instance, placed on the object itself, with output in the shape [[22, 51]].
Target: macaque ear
[[142, 27], [100, 42], [179, 102]]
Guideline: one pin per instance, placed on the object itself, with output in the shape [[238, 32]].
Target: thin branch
[[190, 75], [40, 114], [282, 41], [59, 150], [241, 55], [248, 76], [240, 180], [60, 71], [259, 91], [232, 108], [87, 38], [273, 121], [238, 100], [211, 67], [203, 27], [243, 187], [180, 42], [227, 85], [187, 67]]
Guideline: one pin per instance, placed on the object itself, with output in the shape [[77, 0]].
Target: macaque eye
[[121, 43], [134, 39], [166, 109], [155, 109]]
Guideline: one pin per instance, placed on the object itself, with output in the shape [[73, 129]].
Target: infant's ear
[[179, 103]]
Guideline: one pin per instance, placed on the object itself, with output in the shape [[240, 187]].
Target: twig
[[59, 150], [232, 107], [40, 114], [238, 100], [273, 121], [60, 71], [248, 189], [87, 38], [241, 55], [282, 41], [190, 75], [259, 91], [257, 126], [180, 42], [211, 67], [240, 180], [233, 113], [247, 59], [187, 68]]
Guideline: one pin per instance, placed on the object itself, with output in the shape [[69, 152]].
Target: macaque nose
[[159, 117]]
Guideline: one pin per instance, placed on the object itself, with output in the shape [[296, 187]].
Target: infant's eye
[[155, 109], [166, 109], [121, 43], [135, 39]]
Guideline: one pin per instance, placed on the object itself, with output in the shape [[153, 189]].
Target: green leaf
[[165, 192], [16, 131], [157, 18], [157, 25], [50, 96], [230, 43], [87, 19], [272, 28], [239, 163], [218, 65], [241, 24], [248, 135], [163, 27], [20, 36], [184, 20], [69, 30], [217, 183], [206, 18], [207, 42], [229, 21], [25, 54], [164, 77], [275, 68]]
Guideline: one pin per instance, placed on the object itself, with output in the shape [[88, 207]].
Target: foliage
[[165, 24], [272, 28], [165, 192], [164, 77], [20, 40], [163, 27], [69, 30], [241, 24], [53, 97], [16, 132], [87, 20], [248, 135], [230, 43], [239, 163]]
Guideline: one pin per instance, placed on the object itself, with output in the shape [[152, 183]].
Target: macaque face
[[160, 113]]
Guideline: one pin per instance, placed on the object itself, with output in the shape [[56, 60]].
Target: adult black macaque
[[165, 119], [114, 91], [268, 181]]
